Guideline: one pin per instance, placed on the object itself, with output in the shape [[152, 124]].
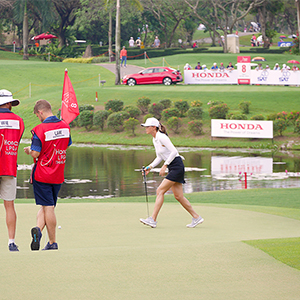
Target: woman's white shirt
[[164, 149]]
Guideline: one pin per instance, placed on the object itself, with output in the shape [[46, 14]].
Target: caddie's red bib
[[50, 165], [11, 131]]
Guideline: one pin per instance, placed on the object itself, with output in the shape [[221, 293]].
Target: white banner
[[242, 129], [237, 164], [210, 77], [263, 77], [286, 77]]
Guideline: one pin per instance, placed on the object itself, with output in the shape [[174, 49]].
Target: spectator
[[230, 67], [123, 56], [195, 45], [204, 67], [253, 40], [285, 67], [267, 67], [259, 67], [156, 42], [198, 67], [295, 68], [276, 67], [138, 42], [187, 67], [245, 29], [222, 68], [214, 67], [131, 42]]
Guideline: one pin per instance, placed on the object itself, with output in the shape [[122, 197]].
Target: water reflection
[[109, 171]]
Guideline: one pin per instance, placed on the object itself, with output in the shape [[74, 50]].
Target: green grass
[[221, 259], [47, 78], [284, 250]]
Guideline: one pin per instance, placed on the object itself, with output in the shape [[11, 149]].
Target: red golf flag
[[69, 108]]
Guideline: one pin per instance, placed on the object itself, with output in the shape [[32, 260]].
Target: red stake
[[245, 180]]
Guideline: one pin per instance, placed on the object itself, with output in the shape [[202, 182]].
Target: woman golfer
[[166, 151]]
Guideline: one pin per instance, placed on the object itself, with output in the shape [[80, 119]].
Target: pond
[[101, 171]]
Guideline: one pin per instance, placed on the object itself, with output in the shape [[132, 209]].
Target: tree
[[169, 14], [65, 11], [38, 11], [298, 18], [222, 14]]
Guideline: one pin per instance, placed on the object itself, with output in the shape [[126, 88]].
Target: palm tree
[[40, 11]]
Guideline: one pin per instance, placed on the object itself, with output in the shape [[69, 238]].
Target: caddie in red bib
[[11, 131], [49, 145]]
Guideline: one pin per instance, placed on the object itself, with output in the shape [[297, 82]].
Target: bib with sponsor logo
[[11, 131], [51, 161]]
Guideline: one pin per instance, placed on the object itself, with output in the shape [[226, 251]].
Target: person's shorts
[[176, 170], [45, 194], [8, 188]]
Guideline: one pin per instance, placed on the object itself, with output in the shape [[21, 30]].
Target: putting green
[[105, 253]]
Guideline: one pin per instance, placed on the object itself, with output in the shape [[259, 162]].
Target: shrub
[[131, 124], [195, 127], [196, 103], [272, 117], [236, 116], [143, 104], [100, 59], [174, 123], [282, 115], [78, 60], [297, 126], [182, 106], [86, 107], [258, 117], [218, 111], [133, 111], [279, 125], [293, 116], [147, 116], [114, 105], [170, 112], [195, 113], [86, 119], [100, 117], [116, 120], [244, 107], [166, 103], [213, 103], [156, 110]]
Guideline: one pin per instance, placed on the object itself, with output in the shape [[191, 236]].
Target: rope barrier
[[51, 85]]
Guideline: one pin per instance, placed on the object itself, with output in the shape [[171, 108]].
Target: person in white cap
[[11, 131], [165, 151], [276, 67], [214, 67]]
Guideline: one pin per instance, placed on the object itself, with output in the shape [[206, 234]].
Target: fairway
[[105, 253]]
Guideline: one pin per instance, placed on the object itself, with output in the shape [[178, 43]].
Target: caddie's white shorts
[[8, 188]]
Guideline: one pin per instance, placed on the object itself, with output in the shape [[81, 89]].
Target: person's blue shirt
[[36, 144]]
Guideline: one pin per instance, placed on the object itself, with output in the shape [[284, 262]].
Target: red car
[[163, 75]]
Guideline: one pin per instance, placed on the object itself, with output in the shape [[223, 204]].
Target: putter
[[145, 182]]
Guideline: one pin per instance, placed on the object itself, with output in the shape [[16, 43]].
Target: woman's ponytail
[[162, 129]]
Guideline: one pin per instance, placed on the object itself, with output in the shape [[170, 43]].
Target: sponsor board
[[238, 164], [242, 129], [272, 77], [210, 77]]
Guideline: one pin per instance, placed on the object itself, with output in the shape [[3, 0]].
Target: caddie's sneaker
[[195, 222], [13, 247], [149, 222], [36, 238], [49, 246]]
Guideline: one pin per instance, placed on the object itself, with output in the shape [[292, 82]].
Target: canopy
[[44, 36], [293, 61], [258, 58]]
